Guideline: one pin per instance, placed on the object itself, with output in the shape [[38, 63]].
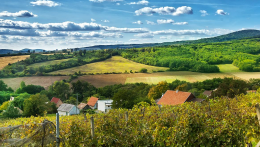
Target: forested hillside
[[200, 57], [228, 37]]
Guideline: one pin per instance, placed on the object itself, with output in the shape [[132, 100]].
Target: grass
[[114, 64], [35, 65], [4, 61], [226, 68]]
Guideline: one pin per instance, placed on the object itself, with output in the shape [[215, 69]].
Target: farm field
[[114, 64], [11, 59], [44, 81], [228, 68], [35, 65]]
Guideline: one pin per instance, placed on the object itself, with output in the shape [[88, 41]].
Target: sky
[[60, 24]]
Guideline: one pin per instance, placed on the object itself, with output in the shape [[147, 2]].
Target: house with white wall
[[104, 105], [92, 102], [68, 109]]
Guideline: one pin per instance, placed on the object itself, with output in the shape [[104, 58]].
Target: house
[[207, 93], [57, 101], [92, 102], [68, 109], [104, 105], [177, 97], [83, 106]]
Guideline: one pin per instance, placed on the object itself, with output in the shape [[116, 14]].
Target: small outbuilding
[[83, 106], [92, 102], [68, 109], [177, 97], [104, 105], [57, 101]]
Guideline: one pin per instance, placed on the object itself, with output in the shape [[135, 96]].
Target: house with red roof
[[57, 101], [177, 97], [92, 102]]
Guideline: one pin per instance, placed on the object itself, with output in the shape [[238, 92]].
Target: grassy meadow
[[114, 64], [53, 62], [4, 61]]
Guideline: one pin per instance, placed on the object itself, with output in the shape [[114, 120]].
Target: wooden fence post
[[57, 130], [92, 126]]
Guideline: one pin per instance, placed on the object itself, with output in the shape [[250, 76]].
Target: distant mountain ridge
[[250, 33]]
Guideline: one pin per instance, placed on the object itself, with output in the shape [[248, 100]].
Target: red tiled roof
[[92, 101], [174, 97], [55, 100]]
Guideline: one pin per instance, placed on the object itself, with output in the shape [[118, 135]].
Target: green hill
[[228, 37]]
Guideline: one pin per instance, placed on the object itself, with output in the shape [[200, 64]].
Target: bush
[[143, 70], [11, 112]]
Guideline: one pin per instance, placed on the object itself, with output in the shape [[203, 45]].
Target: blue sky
[[62, 24]]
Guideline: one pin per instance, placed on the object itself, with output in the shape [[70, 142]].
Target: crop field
[[228, 68], [53, 62], [11, 59], [114, 64], [44, 81]]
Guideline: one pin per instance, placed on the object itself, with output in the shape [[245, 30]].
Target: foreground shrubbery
[[220, 122]]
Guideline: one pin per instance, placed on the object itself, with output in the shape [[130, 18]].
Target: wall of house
[[190, 98], [102, 105], [74, 110], [62, 113], [108, 107], [58, 103]]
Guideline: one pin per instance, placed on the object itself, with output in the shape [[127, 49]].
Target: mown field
[[114, 64], [4, 61], [53, 62]]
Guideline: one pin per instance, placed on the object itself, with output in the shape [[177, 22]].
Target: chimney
[[177, 91]]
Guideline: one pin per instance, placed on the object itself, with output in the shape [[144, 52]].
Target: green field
[[53, 62], [115, 64], [228, 68]]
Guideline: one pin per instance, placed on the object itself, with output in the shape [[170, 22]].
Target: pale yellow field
[[114, 64], [11, 59], [228, 68]]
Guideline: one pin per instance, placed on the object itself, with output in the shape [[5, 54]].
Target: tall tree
[[61, 90], [156, 91], [35, 105]]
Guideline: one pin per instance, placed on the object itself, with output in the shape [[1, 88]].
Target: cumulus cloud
[[150, 22], [202, 32], [28, 32], [118, 4], [221, 12], [23, 13], [127, 30], [67, 26], [204, 13], [92, 19], [180, 23], [100, 1], [142, 2], [164, 11], [47, 3], [144, 35], [138, 22], [165, 21]]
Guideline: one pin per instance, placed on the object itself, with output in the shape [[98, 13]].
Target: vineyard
[[219, 122]]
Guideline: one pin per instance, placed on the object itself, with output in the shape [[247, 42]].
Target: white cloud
[[47, 3], [22, 13], [127, 30], [221, 12], [138, 22], [180, 23], [118, 4], [164, 11], [150, 22], [92, 19], [100, 1], [142, 2], [28, 32], [165, 21], [67, 26], [203, 32], [204, 13], [105, 20], [144, 35]]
